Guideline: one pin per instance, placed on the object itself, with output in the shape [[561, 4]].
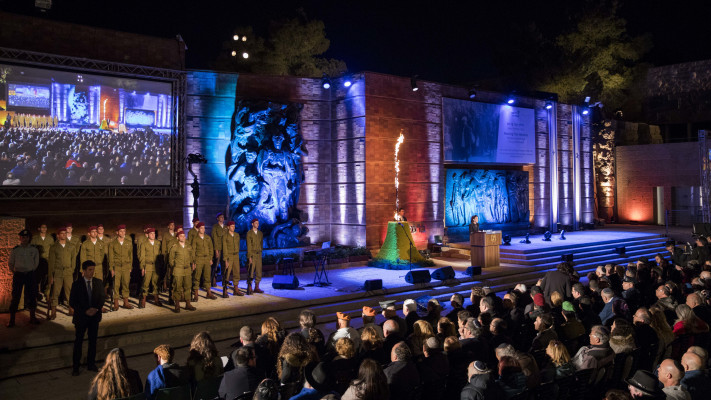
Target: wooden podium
[[485, 248]]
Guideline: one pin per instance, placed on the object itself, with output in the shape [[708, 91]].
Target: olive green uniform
[[217, 233], [191, 235], [202, 246], [254, 250], [105, 241], [148, 258], [43, 246], [180, 259], [230, 253], [75, 241], [165, 245], [62, 260], [94, 252], [120, 263]]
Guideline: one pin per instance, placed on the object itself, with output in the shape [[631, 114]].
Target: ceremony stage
[[138, 331]]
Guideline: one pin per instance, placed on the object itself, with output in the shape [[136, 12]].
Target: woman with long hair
[[294, 355], [371, 383], [445, 329], [666, 336], [560, 366], [371, 346], [272, 336], [687, 322], [511, 380], [421, 331], [203, 360], [115, 379]]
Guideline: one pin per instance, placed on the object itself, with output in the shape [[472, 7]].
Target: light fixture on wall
[[549, 105], [347, 81], [472, 93], [326, 82], [413, 83], [510, 100]]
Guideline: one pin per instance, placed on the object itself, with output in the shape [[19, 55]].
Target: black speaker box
[[444, 273], [373, 284], [285, 282], [620, 250], [473, 270], [418, 276], [567, 257]]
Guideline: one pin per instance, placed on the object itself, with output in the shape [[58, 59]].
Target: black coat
[[556, 281], [80, 302], [402, 379], [240, 380], [481, 387]]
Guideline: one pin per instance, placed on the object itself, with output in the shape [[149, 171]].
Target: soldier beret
[[68, 225], [180, 232], [218, 215], [171, 222], [118, 228], [254, 219], [24, 232], [200, 225], [150, 230], [343, 316], [196, 219], [539, 300], [100, 225], [368, 311], [179, 228], [92, 228], [61, 229], [230, 223]]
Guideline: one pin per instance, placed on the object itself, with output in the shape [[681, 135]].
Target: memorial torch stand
[[485, 248]]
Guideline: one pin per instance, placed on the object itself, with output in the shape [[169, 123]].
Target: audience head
[[451, 343], [691, 362], [477, 368], [389, 327], [557, 352], [112, 380], [508, 365], [694, 300], [543, 321], [422, 328], [486, 304], [431, 345], [670, 372], [244, 356], [505, 350], [599, 336], [371, 382], [701, 352], [307, 319], [268, 389], [370, 339], [400, 352], [164, 354], [344, 320], [246, 334], [409, 306], [457, 300], [345, 347], [556, 299], [471, 330], [446, 328], [607, 294]]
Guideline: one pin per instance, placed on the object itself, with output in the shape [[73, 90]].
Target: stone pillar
[[604, 156], [9, 228]]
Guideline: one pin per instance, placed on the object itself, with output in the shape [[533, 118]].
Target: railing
[[686, 216]]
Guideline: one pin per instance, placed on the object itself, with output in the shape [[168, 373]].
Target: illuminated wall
[[9, 228]]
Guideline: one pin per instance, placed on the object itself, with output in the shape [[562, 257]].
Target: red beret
[[68, 225], [200, 225], [61, 229], [230, 223], [218, 215], [92, 228], [254, 219], [179, 228], [170, 222], [118, 228], [539, 300], [179, 232], [150, 230], [196, 219], [100, 225]]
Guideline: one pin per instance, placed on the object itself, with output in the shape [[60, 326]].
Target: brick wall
[[642, 168]]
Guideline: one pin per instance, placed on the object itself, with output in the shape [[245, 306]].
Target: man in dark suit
[[402, 373], [244, 377], [86, 298]]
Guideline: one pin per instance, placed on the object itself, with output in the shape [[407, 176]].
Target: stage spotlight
[[326, 82], [526, 239], [510, 100], [347, 82], [507, 240], [562, 234], [472, 93], [235, 37], [245, 55], [547, 236], [413, 83], [586, 110], [549, 105], [234, 53]]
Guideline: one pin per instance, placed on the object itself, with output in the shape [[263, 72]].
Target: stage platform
[[138, 331]]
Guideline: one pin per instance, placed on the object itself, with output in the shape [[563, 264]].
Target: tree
[[292, 47], [599, 59]]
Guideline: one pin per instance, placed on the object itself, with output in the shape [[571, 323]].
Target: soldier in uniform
[[74, 240], [93, 249], [104, 264], [148, 254], [181, 261], [42, 242], [24, 260], [168, 241], [121, 262], [140, 239], [193, 231], [203, 249], [254, 257], [230, 254], [217, 232], [61, 263]]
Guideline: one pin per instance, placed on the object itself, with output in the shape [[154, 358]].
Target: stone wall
[[679, 93], [9, 228], [642, 168]]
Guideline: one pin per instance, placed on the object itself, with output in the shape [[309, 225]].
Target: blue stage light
[[347, 82], [547, 236], [413, 84], [510, 100], [325, 82], [549, 105], [472, 93], [586, 110]]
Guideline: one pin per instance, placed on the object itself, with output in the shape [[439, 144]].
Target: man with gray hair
[[472, 345], [263, 363], [609, 298], [598, 354], [409, 310], [529, 367], [457, 302]]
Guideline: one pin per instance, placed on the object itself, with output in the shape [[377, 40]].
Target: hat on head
[[179, 228], [254, 219], [218, 215], [61, 229], [386, 303], [100, 225], [118, 228], [539, 300], [200, 225], [68, 225], [92, 228], [317, 377], [24, 232], [179, 232], [368, 311], [568, 306], [196, 219], [343, 316], [229, 223], [645, 382], [151, 230], [481, 367]]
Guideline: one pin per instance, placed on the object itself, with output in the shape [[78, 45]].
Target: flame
[[400, 140]]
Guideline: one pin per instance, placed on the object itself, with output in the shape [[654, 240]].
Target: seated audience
[[203, 360], [403, 378], [371, 383], [115, 380], [167, 374], [244, 377]]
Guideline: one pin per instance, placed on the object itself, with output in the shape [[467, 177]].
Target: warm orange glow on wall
[[9, 228]]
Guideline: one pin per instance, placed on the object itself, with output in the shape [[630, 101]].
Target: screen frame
[[178, 81]]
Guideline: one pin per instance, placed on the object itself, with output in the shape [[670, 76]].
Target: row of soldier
[[178, 262]]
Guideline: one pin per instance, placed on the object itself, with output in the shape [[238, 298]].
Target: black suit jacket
[[238, 381], [79, 300]]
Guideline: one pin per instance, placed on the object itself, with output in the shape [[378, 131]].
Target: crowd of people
[[631, 331], [32, 156]]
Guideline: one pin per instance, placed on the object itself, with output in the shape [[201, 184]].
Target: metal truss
[[705, 172], [178, 80]]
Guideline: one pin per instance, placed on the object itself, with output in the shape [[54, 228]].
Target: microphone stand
[[408, 239]]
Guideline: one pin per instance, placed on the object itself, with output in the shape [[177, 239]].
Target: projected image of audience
[[64, 129]]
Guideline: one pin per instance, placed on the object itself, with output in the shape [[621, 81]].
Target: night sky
[[446, 41]]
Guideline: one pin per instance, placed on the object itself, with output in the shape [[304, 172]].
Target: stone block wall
[[9, 228]]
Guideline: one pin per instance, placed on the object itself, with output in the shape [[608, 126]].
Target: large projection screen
[[476, 132], [67, 129]]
